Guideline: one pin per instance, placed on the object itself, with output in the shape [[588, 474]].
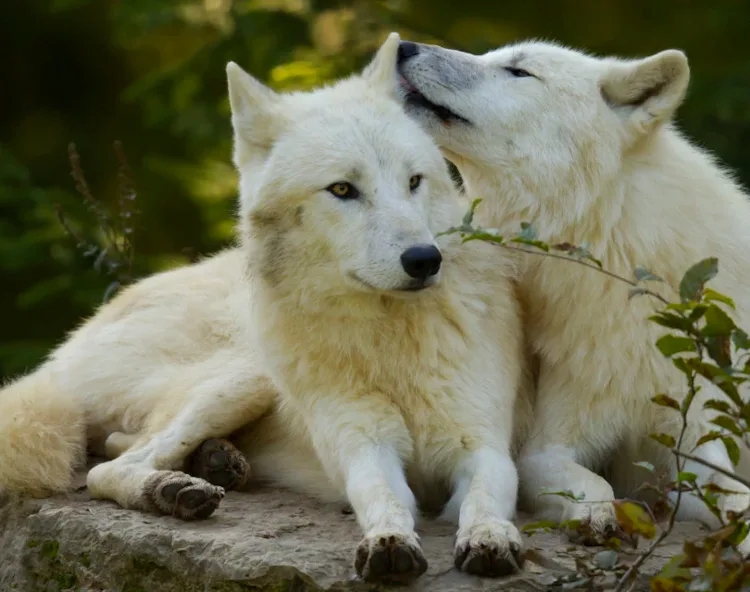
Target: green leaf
[[720, 350], [686, 477], [483, 236], [527, 232], [469, 216], [697, 313], [532, 243], [740, 339], [739, 534], [718, 323], [577, 252], [695, 278], [728, 387], [644, 275], [645, 465], [670, 345], [541, 525], [666, 401], [682, 365], [732, 449], [663, 439], [672, 573], [709, 437], [717, 405], [726, 422], [634, 519], [710, 295], [671, 321]]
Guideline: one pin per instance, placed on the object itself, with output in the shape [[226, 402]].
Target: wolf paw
[[489, 550], [598, 524], [176, 494], [220, 463], [390, 558]]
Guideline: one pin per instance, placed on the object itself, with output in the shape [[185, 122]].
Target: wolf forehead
[[545, 59], [355, 136]]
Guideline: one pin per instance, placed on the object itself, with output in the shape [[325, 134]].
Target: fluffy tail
[[42, 436]]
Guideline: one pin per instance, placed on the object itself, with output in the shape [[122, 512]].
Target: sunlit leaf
[[733, 450], [718, 323], [726, 422], [634, 519], [664, 439], [710, 295]]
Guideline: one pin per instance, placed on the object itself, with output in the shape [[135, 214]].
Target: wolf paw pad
[[598, 525], [176, 494], [391, 558], [220, 463], [489, 551]]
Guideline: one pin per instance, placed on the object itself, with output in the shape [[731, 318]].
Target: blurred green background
[[151, 74]]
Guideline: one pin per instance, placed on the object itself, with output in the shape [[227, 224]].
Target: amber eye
[[415, 182], [343, 190]]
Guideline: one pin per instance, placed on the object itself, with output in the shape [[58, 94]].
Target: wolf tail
[[42, 435]]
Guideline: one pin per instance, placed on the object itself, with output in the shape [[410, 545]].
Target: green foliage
[[704, 343]]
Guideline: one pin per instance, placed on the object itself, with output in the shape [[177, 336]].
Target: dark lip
[[415, 97], [414, 287]]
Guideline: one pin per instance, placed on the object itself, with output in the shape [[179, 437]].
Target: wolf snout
[[406, 50], [421, 261]]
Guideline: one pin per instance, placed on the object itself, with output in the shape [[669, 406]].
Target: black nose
[[406, 50], [421, 261]]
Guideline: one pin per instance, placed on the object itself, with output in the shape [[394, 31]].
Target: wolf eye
[[518, 72], [415, 182], [343, 190]]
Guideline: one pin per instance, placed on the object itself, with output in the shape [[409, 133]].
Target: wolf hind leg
[[148, 474]]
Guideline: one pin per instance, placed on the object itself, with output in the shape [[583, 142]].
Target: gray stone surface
[[260, 541]]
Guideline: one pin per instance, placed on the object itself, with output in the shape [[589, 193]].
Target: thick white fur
[[384, 393], [585, 149]]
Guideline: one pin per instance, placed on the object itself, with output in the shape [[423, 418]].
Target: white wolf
[[584, 148], [396, 352]]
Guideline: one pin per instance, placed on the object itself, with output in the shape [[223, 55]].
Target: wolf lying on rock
[[374, 361]]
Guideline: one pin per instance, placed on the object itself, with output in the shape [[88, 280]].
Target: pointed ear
[[254, 119], [647, 92], [381, 71]]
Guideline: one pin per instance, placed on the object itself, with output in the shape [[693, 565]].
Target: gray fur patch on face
[[438, 68], [270, 232]]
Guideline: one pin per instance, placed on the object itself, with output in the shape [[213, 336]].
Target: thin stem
[[635, 566], [711, 465], [590, 266]]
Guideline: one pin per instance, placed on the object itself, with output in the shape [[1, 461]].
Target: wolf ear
[[381, 71], [647, 92], [256, 123]]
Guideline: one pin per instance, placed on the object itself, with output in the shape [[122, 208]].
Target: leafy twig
[[715, 467]]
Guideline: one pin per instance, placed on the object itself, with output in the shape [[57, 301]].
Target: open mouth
[[413, 96]]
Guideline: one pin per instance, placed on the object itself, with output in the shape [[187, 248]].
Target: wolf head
[[340, 190], [548, 121]]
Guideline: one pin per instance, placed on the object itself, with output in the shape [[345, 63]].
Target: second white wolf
[[585, 148]]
